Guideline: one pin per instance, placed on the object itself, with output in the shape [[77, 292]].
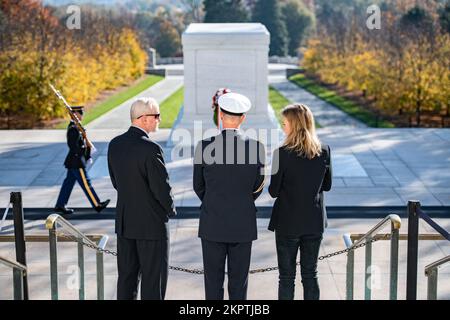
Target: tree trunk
[[418, 114], [8, 120], [418, 106]]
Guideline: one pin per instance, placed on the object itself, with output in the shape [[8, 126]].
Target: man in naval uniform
[[228, 178], [75, 163]]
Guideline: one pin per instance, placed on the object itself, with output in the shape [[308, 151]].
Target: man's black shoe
[[102, 205], [64, 210]]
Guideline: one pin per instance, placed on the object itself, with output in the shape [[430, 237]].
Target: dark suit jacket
[[298, 186], [228, 185], [79, 153], [137, 170]]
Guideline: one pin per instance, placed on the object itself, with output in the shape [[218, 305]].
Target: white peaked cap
[[234, 103]]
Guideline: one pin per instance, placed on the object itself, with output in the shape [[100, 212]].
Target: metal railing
[[431, 271], [19, 271], [95, 242], [415, 213], [354, 240], [20, 280]]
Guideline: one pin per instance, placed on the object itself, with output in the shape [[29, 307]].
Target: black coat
[[138, 173], [79, 153], [228, 189], [298, 186]]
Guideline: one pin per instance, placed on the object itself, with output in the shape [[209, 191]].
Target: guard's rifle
[[74, 118]]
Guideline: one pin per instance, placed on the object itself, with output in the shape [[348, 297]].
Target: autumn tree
[[299, 21], [225, 11], [268, 12], [38, 49], [444, 18], [404, 70]]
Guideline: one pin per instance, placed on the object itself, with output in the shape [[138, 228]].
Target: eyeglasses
[[156, 115]]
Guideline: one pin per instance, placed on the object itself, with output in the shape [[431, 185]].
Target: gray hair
[[143, 106]]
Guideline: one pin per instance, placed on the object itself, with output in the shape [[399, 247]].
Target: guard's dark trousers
[[145, 261], [74, 175], [237, 256]]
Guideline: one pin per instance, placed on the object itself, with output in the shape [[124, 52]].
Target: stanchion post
[[413, 250], [19, 236], [395, 236], [350, 275], [53, 245]]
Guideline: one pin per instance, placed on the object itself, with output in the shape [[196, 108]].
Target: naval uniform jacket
[[228, 183], [79, 153], [138, 173]]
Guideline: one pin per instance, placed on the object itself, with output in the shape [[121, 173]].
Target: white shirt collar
[[146, 133]]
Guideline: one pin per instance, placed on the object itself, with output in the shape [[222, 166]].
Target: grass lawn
[[278, 102], [170, 108], [349, 107], [116, 100]]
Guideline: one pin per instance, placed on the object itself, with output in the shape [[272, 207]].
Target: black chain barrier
[[199, 271]]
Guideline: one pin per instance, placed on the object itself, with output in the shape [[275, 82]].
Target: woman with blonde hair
[[303, 172]]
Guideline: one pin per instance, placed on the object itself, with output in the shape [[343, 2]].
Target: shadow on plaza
[[39, 165]]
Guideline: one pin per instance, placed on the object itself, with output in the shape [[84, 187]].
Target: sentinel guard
[[79, 154]]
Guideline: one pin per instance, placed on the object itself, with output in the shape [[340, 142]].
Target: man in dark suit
[[144, 205], [75, 163], [228, 177]]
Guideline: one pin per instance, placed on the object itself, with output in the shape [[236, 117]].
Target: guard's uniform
[[228, 177], [75, 163]]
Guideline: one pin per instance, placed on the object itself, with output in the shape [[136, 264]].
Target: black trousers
[[287, 249], [237, 256], [145, 261], [74, 175]]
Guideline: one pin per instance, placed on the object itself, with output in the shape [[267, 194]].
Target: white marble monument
[[225, 55]]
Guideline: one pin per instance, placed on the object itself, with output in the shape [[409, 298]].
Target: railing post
[[53, 262], [100, 277], [394, 264], [432, 284], [350, 274], [413, 250], [18, 284], [81, 269], [368, 272], [19, 235]]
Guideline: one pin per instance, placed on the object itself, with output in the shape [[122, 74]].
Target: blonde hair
[[303, 138]]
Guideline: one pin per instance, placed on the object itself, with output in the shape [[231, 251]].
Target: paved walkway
[[326, 114], [372, 167], [186, 252], [119, 118]]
